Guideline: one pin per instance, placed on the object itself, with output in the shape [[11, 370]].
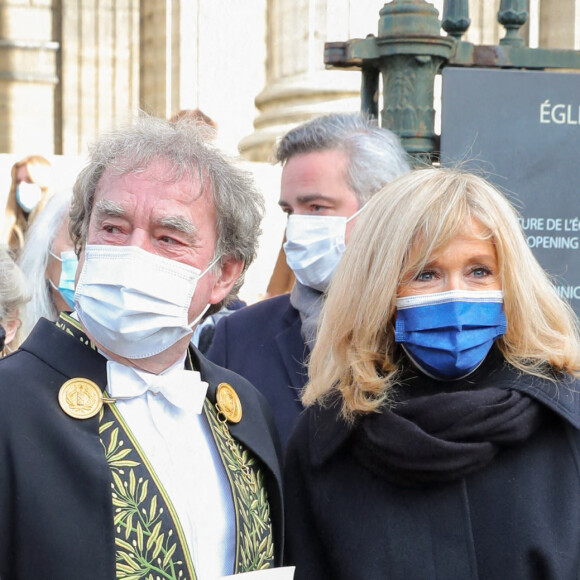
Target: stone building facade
[[72, 68]]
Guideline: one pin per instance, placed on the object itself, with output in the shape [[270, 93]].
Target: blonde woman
[[441, 436], [30, 189]]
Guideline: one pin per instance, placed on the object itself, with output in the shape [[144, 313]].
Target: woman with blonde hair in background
[[29, 191], [441, 436], [13, 296]]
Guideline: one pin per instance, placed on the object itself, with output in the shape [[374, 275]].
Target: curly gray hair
[[376, 155], [186, 145], [13, 287]]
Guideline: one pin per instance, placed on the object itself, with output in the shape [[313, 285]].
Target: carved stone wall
[[70, 69], [560, 24], [204, 54], [99, 69], [484, 28], [28, 76]]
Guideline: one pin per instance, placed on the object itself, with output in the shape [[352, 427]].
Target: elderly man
[[124, 453], [332, 165]]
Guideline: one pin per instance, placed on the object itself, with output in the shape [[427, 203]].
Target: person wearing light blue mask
[[47, 242], [30, 190], [442, 427], [314, 245], [66, 282]]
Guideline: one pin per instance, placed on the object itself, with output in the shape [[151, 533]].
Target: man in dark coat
[[123, 451], [332, 165]]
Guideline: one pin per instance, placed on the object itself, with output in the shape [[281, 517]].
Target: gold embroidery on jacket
[[254, 539], [149, 541], [71, 326]]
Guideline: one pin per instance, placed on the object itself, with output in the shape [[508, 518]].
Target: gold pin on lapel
[[229, 403], [81, 398]]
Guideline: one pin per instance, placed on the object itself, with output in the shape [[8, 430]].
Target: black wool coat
[[263, 344], [517, 518]]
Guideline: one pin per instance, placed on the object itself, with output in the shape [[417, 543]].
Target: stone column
[[99, 69], [297, 85], [28, 76], [155, 48], [484, 28], [559, 24]]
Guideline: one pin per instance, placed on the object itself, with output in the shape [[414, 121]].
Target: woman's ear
[[11, 326]]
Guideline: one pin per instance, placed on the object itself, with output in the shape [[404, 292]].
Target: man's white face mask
[[134, 303], [314, 246]]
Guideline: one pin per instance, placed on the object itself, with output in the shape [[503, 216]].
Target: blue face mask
[[448, 334], [68, 270]]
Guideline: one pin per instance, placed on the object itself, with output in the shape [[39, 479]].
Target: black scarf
[[444, 435]]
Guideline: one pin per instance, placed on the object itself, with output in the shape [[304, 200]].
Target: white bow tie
[[180, 387]]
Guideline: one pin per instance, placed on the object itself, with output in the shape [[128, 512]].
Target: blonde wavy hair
[[16, 221], [354, 353]]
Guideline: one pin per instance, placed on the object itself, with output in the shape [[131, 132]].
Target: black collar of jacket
[[65, 353], [329, 431]]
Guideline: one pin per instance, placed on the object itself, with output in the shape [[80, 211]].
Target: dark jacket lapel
[[292, 348], [48, 343]]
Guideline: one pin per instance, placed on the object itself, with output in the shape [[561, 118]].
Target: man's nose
[[141, 239]]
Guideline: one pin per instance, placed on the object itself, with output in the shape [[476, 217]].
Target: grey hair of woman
[[376, 155], [187, 146], [13, 290], [34, 260]]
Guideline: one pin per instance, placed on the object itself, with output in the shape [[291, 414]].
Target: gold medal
[[81, 398], [229, 403]]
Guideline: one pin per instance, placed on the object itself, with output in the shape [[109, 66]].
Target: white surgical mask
[[314, 246], [134, 303], [28, 195]]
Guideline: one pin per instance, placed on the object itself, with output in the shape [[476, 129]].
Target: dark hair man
[[332, 165]]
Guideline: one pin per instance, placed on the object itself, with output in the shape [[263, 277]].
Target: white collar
[[180, 387]]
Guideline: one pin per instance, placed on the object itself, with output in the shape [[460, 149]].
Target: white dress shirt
[[180, 447]]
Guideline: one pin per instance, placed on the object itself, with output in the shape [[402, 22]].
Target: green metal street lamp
[[410, 50]]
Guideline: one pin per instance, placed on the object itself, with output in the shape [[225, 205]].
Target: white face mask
[[134, 303], [28, 195], [314, 246]]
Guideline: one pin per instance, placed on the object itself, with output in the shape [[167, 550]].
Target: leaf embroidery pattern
[[147, 546], [72, 327], [255, 546]]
